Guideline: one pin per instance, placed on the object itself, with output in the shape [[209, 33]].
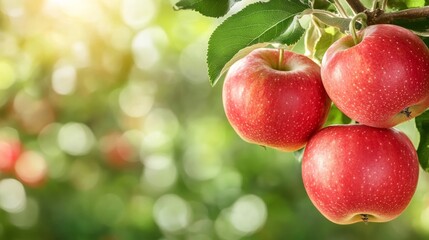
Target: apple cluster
[[366, 171]]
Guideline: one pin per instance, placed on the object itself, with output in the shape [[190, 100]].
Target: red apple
[[382, 80], [275, 105], [355, 173]]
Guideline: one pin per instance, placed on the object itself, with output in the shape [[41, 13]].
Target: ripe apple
[[382, 80], [272, 103], [356, 173]]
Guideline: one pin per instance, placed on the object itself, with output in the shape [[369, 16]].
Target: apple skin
[[383, 80], [275, 106], [351, 170]]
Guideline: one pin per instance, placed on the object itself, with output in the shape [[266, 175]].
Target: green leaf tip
[[209, 8], [422, 124], [275, 21]]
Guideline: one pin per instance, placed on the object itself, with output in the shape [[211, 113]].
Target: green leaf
[[338, 22], [312, 36], [274, 21], [321, 4], [336, 117], [318, 38], [306, 2], [422, 124], [414, 3], [292, 33], [426, 40], [397, 4], [329, 36], [209, 8], [404, 4], [418, 24]]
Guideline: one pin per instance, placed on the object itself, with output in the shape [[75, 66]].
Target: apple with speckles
[[382, 80], [273, 101], [358, 173]]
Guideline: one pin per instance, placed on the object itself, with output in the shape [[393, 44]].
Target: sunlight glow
[[12, 195], [13, 8], [172, 213], [138, 13], [137, 99], [160, 172], [7, 75], [147, 46], [75, 139], [64, 79], [248, 214]]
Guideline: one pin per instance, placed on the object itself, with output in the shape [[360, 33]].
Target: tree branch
[[356, 6], [377, 17]]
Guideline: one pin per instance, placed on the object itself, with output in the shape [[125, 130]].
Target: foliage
[[208, 8], [422, 123]]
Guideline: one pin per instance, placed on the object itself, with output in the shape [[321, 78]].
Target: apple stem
[[352, 26], [281, 57]]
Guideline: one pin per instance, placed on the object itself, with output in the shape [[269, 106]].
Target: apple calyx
[[365, 218], [406, 111]]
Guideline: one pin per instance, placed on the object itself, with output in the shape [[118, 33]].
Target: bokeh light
[[31, 168], [147, 46], [75, 139], [28, 217], [172, 213], [159, 127], [13, 197], [159, 172], [137, 99], [64, 79], [13, 8], [8, 75], [138, 13], [202, 163], [248, 214]]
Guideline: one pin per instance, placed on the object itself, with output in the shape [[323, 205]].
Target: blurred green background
[[107, 109]]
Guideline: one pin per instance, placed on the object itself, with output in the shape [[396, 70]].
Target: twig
[[356, 6], [382, 17]]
